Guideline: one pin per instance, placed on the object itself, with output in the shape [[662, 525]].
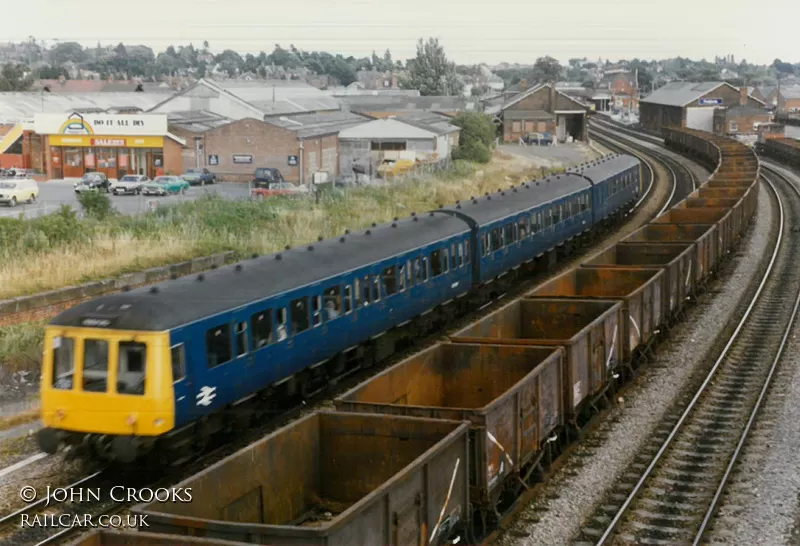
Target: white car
[[18, 190], [130, 184]]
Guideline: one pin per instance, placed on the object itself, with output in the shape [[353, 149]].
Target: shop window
[[95, 365], [299, 314], [218, 345], [178, 358], [131, 370], [262, 329], [63, 362]]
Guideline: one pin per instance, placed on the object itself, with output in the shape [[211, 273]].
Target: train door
[[182, 382]]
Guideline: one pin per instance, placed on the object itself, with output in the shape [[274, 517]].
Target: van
[[18, 190]]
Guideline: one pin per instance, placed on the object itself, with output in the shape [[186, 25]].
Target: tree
[[343, 71], [546, 69], [67, 52], [12, 78], [477, 137], [430, 72], [388, 64]]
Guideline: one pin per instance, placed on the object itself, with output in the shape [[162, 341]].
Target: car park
[[93, 181], [199, 177], [130, 184], [165, 185], [14, 190]]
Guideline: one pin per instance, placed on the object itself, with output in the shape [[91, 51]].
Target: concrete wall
[[48, 304]]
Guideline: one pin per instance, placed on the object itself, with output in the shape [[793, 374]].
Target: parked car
[[130, 184], [199, 177], [544, 139], [93, 181], [165, 185], [263, 190], [267, 175], [13, 191], [394, 167]]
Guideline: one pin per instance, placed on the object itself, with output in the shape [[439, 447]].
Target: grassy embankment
[[61, 249]]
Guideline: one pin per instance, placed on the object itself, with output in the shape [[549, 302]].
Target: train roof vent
[[396, 219], [394, 224], [374, 224], [254, 255], [154, 290], [173, 276], [214, 266], [369, 232], [310, 248], [126, 288], [342, 239], [441, 206], [238, 267], [320, 238], [201, 277], [416, 218], [458, 207], [278, 257], [287, 247], [431, 214]]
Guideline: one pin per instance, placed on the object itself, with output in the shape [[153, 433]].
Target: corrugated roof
[[280, 96], [16, 107], [196, 121], [313, 125], [369, 103], [792, 92], [388, 128], [680, 93]]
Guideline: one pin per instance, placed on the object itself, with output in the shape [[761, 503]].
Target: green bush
[[473, 150], [19, 236], [96, 204]]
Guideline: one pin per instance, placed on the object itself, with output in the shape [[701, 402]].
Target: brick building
[[543, 109], [785, 98], [740, 119], [689, 104], [234, 149], [624, 91]]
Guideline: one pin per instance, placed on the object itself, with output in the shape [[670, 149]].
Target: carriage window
[[178, 357], [316, 310], [299, 313], [484, 244], [523, 228], [241, 339], [401, 278], [63, 362], [333, 302], [445, 260], [424, 269], [509, 233], [466, 252], [376, 288], [95, 365], [496, 239], [390, 280], [262, 329], [418, 270], [348, 299], [218, 345], [453, 257], [365, 293], [131, 371], [436, 263], [357, 290], [280, 331], [460, 254], [410, 273]]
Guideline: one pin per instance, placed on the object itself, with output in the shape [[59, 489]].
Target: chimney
[[743, 96]]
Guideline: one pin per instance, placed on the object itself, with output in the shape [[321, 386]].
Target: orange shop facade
[[74, 144]]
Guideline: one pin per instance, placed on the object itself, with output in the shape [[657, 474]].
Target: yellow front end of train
[[105, 383]]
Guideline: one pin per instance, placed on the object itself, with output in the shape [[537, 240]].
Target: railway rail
[[676, 482]]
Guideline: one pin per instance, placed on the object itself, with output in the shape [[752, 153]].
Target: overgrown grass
[[61, 249], [20, 348]]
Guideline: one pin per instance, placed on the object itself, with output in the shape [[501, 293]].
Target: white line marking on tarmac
[[22, 464]]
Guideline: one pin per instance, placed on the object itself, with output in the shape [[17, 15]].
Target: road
[[55, 193]]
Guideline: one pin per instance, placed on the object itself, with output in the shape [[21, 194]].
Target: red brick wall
[[269, 145], [11, 160], [173, 161]]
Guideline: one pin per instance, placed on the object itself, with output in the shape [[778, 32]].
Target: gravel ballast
[[582, 483], [760, 505]]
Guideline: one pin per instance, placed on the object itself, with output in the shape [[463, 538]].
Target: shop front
[[112, 144]]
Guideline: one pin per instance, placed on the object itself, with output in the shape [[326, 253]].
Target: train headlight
[[131, 420], [158, 422]]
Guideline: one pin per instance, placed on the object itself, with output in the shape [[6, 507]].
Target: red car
[[262, 190]]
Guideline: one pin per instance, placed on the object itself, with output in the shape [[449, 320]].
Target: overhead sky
[[471, 31]]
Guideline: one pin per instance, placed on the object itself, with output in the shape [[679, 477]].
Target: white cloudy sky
[[471, 30]]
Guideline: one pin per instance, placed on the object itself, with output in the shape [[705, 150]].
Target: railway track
[[684, 180], [672, 489]]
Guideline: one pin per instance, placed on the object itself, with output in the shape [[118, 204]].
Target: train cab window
[[95, 365], [280, 330], [401, 278], [436, 263], [241, 339], [131, 371], [453, 257], [299, 313], [262, 329], [316, 310], [424, 268], [63, 362], [177, 355], [218, 345], [348, 299], [333, 302], [389, 276]]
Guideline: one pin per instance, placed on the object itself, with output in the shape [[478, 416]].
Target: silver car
[[130, 184]]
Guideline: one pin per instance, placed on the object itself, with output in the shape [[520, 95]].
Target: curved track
[[672, 490]]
